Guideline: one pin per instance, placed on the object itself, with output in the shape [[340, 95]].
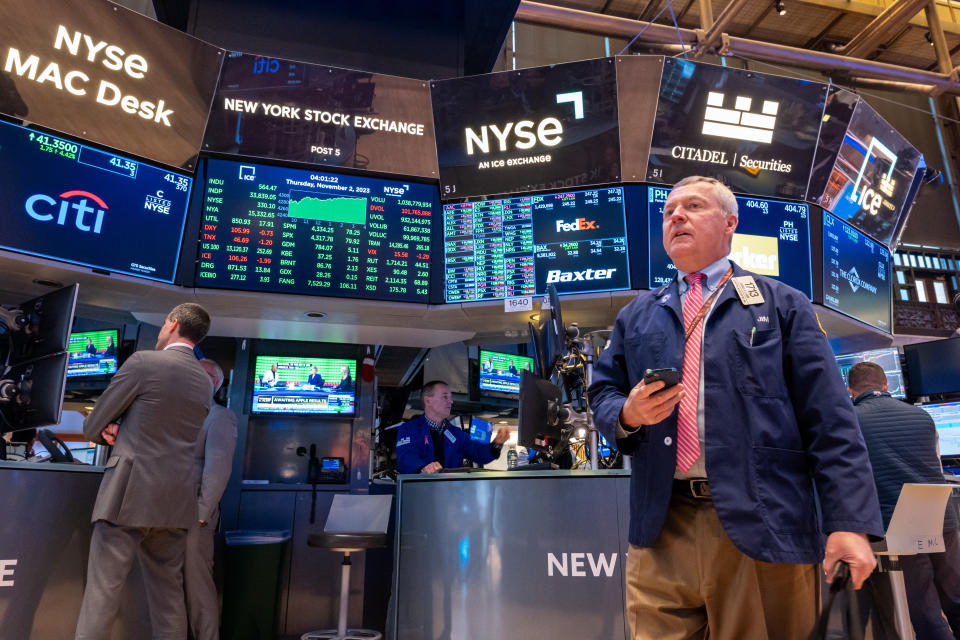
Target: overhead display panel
[[284, 230], [535, 129], [772, 239], [872, 176], [100, 72], [755, 132], [519, 246], [856, 274], [288, 110], [71, 202]]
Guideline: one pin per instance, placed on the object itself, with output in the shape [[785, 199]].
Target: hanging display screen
[[856, 274]]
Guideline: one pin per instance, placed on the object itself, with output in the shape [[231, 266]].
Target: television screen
[[947, 418], [856, 274], [772, 239], [501, 371], [283, 230], [933, 367], [92, 353], [889, 359], [74, 203], [517, 246], [480, 430], [320, 386]]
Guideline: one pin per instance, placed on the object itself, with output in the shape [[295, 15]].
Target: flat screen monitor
[[92, 353], [889, 359], [501, 371], [284, 230], [933, 367], [539, 427], [46, 325], [39, 393], [518, 246], [480, 430], [298, 385], [947, 418], [78, 204], [856, 274], [772, 239]]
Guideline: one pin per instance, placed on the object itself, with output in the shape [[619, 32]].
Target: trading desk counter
[[511, 555], [44, 540]]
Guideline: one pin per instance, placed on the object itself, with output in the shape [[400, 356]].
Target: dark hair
[[430, 386], [866, 376], [193, 319]]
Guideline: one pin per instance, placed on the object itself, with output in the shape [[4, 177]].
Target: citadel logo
[[739, 123], [856, 283]]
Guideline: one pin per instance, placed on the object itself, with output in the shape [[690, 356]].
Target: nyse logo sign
[[158, 203], [526, 133], [45, 208], [740, 123]]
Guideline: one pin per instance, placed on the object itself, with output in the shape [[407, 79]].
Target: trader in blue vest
[[902, 441], [429, 443], [725, 532]]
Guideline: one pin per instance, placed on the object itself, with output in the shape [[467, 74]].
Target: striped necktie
[[688, 439]]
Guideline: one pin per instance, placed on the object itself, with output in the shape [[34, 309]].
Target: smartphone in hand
[[669, 376]]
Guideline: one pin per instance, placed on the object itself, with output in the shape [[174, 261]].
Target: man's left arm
[[218, 462]]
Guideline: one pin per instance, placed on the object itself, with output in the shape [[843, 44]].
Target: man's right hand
[[109, 434], [644, 406], [433, 467]]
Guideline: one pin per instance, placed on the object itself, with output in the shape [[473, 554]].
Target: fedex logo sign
[[580, 224], [45, 208]]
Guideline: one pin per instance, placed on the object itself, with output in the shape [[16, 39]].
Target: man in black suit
[[151, 413]]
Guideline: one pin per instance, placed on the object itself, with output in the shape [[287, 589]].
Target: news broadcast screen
[[772, 239], [92, 353], [889, 359], [285, 230], [298, 385], [512, 247], [856, 274], [71, 202], [501, 371]]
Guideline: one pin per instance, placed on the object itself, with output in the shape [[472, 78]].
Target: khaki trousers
[[694, 583]]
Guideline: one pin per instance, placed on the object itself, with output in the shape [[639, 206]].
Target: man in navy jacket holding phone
[[725, 531]]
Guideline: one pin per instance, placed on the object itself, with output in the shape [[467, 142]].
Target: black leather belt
[[697, 488]]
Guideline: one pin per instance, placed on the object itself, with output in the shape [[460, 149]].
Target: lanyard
[[706, 305]]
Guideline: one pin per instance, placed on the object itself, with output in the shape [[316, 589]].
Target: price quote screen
[[289, 230], [518, 246], [856, 272]]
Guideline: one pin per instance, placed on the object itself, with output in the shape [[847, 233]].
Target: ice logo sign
[[45, 208], [868, 199], [739, 123]]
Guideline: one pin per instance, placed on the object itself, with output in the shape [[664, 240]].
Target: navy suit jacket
[[779, 426], [415, 447]]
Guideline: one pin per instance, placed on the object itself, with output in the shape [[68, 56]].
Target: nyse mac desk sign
[[274, 108], [531, 130], [107, 74], [70, 202], [755, 132]]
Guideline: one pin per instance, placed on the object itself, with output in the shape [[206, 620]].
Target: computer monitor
[[304, 385], [93, 353], [44, 328], [888, 359], [501, 371], [540, 426], [933, 367], [31, 393], [947, 418]]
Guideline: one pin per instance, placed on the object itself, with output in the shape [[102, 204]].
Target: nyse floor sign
[[511, 555]]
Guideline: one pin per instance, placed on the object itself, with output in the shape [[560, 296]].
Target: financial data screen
[[856, 273], [947, 418], [67, 201], [772, 239], [518, 246], [889, 359], [284, 230]]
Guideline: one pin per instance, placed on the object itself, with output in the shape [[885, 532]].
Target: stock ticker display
[[284, 230], [518, 246], [856, 273], [772, 239], [71, 202]]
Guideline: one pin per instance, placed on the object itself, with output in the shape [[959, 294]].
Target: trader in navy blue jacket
[[725, 532], [429, 443]]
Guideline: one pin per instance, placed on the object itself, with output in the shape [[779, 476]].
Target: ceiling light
[[502, 422], [316, 315], [53, 284], [782, 10], [929, 38]]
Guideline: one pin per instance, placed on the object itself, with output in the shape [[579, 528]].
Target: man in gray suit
[[151, 413], [214, 460]]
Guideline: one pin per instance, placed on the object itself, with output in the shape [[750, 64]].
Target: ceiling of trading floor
[[808, 24]]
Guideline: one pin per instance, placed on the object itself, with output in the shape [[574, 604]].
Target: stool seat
[[347, 542]]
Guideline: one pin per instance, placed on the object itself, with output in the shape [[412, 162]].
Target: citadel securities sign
[[103, 73], [289, 110], [529, 130], [755, 132]]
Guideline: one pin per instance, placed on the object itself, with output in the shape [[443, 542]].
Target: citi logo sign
[[266, 65], [580, 224], [739, 123], [44, 208], [526, 133], [556, 275], [853, 278]]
